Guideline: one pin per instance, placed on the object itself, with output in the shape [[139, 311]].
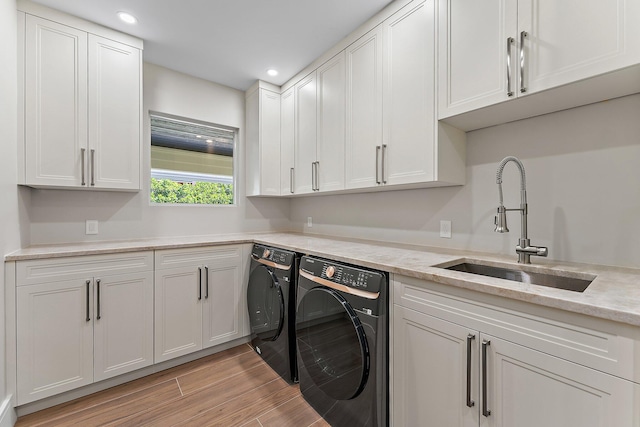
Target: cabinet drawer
[[602, 345], [172, 258], [56, 269]]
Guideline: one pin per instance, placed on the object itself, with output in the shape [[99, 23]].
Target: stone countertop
[[614, 294]]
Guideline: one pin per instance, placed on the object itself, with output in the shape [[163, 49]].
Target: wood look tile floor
[[231, 388]]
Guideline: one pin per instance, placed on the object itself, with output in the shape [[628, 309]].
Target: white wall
[[583, 185], [14, 201], [59, 215]]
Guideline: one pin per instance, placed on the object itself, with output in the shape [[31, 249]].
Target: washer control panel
[[353, 277], [275, 255]]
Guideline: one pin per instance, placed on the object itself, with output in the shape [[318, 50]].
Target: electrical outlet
[[91, 226], [309, 222], [445, 229]]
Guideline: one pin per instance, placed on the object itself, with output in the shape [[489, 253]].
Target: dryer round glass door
[[265, 301], [332, 343]]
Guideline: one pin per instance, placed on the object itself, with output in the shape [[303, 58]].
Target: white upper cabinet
[[506, 49], [364, 110], [114, 114], [567, 41], [82, 104], [56, 104], [393, 137], [475, 46], [287, 138], [331, 125], [263, 141], [409, 107], [305, 134]]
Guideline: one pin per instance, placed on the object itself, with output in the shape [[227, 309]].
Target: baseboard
[[8, 415]]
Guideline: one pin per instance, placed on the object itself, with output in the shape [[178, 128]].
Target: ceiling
[[231, 42]]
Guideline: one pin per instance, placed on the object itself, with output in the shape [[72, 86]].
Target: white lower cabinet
[[81, 320], [452, 373], [199, 299]]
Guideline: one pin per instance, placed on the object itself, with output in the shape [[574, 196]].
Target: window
[[191, 162]]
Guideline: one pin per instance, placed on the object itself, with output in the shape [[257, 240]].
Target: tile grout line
[[179, 388]]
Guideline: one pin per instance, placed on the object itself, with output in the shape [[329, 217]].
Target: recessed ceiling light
[[127, 17], [198, 136], [272, 72], [210, 141]]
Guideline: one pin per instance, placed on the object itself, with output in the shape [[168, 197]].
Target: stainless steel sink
[[534, 277]]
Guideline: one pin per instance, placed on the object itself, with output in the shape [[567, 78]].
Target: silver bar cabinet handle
[[291, 180], [88, 284], [82, 152], [98, 290], [317, 176], [470, 403], [510, 42], [206, 282], [313, 176], [384, 155], [523, 35], [377, 164], [485, 411], [199, 283], [93, 167]]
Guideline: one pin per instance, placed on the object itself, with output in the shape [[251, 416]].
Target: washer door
[[332, 343], [265, 301]]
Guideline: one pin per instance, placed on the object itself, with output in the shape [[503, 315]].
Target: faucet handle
[[542, 251]]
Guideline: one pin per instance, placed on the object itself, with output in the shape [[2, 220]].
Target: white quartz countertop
[[613, 295]]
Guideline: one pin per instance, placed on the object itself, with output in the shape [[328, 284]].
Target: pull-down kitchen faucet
[[524, 249]]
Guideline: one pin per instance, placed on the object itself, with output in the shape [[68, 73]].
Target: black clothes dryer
[[271, 296], [342, 338]]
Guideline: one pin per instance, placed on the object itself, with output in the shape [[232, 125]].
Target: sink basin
[[575, 284]]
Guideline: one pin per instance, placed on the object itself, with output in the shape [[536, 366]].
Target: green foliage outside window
[[205, 193]]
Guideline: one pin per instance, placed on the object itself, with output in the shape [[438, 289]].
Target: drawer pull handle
[[82, 153], [98, 290], [510, 41], [206, 282], [523, 35], [199, 283], [93, 167], [485, 409], [470, 403], [88, 284]]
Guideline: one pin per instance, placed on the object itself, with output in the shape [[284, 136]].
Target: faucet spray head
[[500, 220]]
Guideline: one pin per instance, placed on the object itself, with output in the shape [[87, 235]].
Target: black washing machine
[[342, 337], [271, 296]]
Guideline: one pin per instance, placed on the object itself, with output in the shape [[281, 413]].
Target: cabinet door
[[224, 305], [123, 324], [305, 128], [178, 312], [409, 96], [287, 138], [364, 110], [55, 338], [430, 371], [269, 143], [114, 114], [55, 104], [331, 122], [527, 388], [570, 41], [473, 39]]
